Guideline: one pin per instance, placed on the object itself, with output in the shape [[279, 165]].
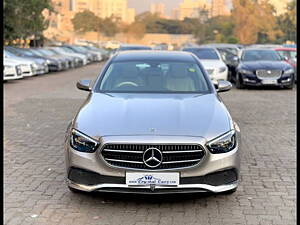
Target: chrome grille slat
[[125, 161], [183, 161], [265, 74], [183, 151], [131, 155], [127, 151]]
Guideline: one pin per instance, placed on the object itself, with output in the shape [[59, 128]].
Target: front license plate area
[[269, 81], [149, 178]]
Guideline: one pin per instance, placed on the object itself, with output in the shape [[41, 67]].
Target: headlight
[[223, 143], [246, 72], [48, 61], [34, 65], [289, 71], [82, 142], [222, 69]]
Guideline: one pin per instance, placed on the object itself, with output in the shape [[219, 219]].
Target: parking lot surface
[[36, 114]]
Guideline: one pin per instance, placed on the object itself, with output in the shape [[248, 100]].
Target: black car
[[259, 67]]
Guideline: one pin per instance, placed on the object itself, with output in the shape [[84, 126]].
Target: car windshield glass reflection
[[167, 77], [260, 55]]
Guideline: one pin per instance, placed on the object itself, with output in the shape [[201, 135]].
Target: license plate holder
[[269, 81], [152, 178]]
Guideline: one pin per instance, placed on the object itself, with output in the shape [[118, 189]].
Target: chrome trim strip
[[182, 161], [129, 151], [118, 160], [98, 187], [182, 151]]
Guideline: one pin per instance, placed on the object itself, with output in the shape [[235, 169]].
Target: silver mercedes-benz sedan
[[153, 122]]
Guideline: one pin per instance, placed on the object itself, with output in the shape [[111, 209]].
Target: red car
[[290, 55]]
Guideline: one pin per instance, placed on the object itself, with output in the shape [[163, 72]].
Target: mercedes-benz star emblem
[[152, 157]]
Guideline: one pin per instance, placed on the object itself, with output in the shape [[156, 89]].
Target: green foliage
[[287, 23], [23, 19], [86, 21]]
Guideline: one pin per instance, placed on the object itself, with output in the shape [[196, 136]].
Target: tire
[[292, 85], [238, 83], [229, 192]]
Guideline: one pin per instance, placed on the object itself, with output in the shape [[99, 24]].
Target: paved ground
[[38, 109]]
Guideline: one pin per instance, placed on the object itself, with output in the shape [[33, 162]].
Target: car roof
[[156, 55]]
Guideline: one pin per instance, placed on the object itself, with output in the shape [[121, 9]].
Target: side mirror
[[223, 86], [84, 85]]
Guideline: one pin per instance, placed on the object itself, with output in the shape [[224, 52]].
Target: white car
[[211, 61], [65, 51], [27, 66], [11, 70]]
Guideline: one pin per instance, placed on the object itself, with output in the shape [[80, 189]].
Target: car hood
[[208, 64], [267, 65], [138, 114]]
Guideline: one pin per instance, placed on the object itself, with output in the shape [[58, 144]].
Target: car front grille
[[262, 74], [173, 156]]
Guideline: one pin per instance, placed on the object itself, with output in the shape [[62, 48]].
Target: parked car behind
[[263, 67], [39, 65], [54, 64], [133, 48], [90, 56], [66, 51], [97, 55], [11, 69], [290, 56], [21, 52], [28, 67], [211, 60], [104, 53]]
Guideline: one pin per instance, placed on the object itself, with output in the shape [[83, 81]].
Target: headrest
[[178, 71]]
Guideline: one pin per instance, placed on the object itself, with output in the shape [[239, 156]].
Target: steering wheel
[[127, 83]]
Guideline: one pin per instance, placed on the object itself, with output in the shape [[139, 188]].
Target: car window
[[152, 76], [204, 53], [260, 55]]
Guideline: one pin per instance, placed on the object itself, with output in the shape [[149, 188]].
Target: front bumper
[[182, 188], [253, 80], [199, 178]]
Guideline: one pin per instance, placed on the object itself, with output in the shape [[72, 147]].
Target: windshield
[[68, 50], [152, 76], [204, 53], [260, 55], [36, 52]]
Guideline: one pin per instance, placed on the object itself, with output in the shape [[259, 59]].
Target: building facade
[[219, 8], [158, 8]]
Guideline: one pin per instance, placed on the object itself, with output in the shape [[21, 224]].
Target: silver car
[[153, 122]]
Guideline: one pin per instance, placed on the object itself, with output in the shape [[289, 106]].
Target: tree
[[108, 27], [86, 21], [24, 19], [253, 17], [287, 23], [136, 30]]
